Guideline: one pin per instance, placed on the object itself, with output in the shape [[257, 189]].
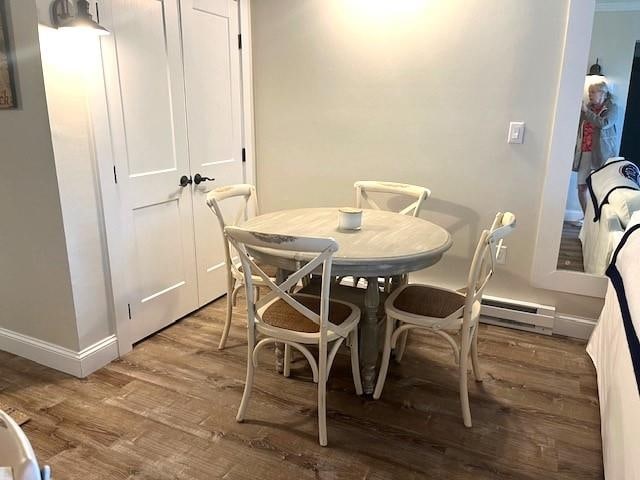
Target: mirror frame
[[544, 272]]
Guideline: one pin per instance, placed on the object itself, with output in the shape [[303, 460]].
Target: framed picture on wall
[[8, 97]]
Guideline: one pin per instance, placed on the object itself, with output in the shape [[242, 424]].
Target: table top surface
[[385, 237]]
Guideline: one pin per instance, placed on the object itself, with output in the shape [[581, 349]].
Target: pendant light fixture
[[595, 69], [82, 19]]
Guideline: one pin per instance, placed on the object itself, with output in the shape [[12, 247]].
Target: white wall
[[614, 40], [70, 62], [35, 286], [419, 92]]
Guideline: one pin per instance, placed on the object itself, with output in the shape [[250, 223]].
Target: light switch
[[516, 132]]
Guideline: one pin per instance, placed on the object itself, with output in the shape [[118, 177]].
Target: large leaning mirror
[[604, 186]]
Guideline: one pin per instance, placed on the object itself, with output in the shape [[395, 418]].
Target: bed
[[613, 197], [614, 348]]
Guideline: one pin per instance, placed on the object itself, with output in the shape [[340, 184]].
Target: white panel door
[[213, 88], [148, 107]]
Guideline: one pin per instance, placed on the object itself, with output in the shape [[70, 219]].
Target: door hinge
[[240, 41], [244, 155], [129, 309], [115, 175]]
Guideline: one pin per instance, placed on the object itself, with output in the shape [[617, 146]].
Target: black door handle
[[184, 181], [198, 179]]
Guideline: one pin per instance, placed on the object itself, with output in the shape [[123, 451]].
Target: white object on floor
[[281, 316], [618, 389], [442, 310], [16, 452]]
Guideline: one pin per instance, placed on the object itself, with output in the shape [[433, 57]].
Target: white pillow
[[624, 202]]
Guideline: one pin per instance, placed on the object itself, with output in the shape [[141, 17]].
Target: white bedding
[[618, 388], [599, 239]]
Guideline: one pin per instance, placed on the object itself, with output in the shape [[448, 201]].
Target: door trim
[[246, 78], [105, 144]]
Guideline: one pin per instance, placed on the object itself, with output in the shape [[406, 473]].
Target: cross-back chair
[[297, 320], [363, 191], [441, 310], [235, 277], [364, 188]]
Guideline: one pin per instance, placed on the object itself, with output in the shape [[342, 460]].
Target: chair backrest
[[365, 187], [484, 259], [249, 202], [319, 252], [16, 451]]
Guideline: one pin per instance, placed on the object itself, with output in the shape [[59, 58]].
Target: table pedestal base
[[369, 336]]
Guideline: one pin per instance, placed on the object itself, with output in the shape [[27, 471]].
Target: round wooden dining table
[[387, 245]]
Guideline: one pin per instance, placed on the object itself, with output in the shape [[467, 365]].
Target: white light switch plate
[[516, 132]]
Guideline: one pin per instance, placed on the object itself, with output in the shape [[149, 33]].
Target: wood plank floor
[[570, 253], [167, 411]]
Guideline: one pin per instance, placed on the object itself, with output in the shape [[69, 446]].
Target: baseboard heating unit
[[531, 317]]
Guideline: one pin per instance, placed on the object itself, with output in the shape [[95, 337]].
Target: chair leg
[[250, 374], [355, 362], [464, 392], [234, 294], [401, 346], [230, 303], [386, 354], [322, 395], [477, 371], [286, 369]]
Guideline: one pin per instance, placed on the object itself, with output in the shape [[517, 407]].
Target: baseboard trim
[[79, 364], [575, 327]]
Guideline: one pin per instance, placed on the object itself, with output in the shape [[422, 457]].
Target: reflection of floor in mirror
[[570, 255]]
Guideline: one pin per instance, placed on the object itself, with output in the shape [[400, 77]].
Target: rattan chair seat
[[270, 270], [282, 315], [428, 301]]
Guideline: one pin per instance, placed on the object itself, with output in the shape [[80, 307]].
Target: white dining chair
[[364, 189], [441, 310], [296, 320], [16, 453], [247, 196]]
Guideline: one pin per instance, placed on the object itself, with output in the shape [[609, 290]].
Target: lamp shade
[[81, 21], [595, 69]]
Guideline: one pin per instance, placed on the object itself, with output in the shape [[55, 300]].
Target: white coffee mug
[[350, 219]]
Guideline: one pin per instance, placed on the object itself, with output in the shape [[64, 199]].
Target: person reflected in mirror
[[597, 136]]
